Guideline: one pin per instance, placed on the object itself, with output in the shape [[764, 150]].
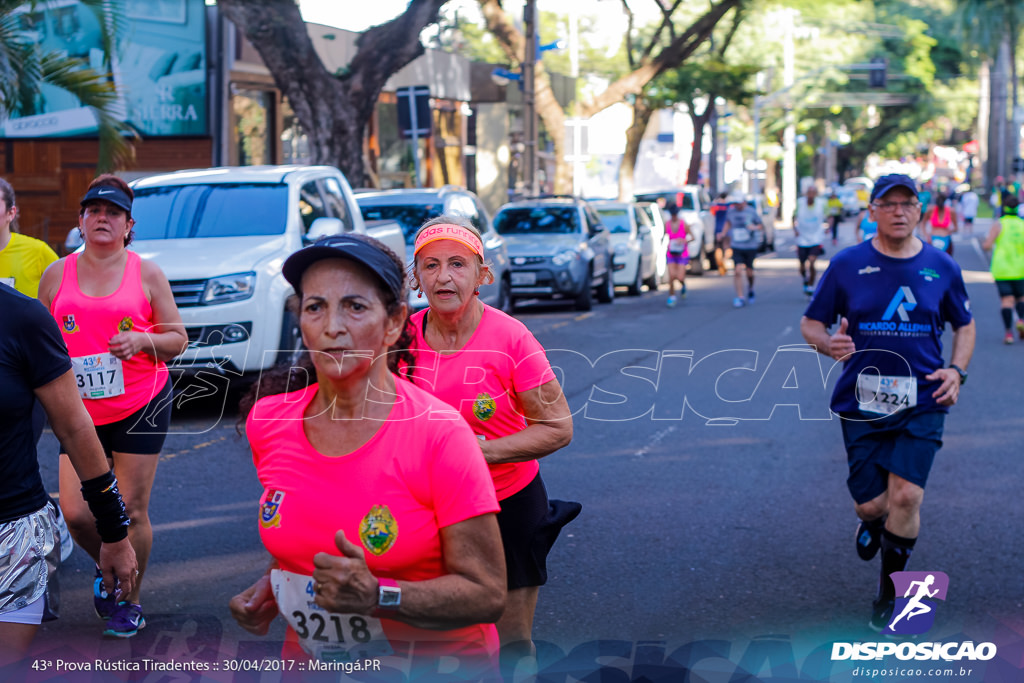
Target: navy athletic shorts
[[904, 444], [143, 432], [1014, 288], [744, 257]]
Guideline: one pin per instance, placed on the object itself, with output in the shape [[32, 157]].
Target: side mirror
[[324, 227]]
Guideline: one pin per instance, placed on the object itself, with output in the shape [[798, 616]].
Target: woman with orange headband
[[515, 406]]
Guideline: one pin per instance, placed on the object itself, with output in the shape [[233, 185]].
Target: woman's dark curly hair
[[293, 377]]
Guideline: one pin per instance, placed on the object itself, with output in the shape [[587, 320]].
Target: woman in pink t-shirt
[[117, 316], [488, 366], [377, 508]]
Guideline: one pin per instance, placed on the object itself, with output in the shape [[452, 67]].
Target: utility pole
[[529, 97], [789, 180]]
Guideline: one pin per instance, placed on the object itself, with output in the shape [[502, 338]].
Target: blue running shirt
[[897, 309]]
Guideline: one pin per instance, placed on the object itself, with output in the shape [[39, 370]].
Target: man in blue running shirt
[[893, 295]]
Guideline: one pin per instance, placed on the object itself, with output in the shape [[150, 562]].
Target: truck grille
[[187, 292]]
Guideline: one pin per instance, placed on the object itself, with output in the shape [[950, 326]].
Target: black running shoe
[[881, 615], [869, 539]]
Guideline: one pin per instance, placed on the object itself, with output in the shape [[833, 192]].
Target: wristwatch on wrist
[[389, 595], [960, 371]]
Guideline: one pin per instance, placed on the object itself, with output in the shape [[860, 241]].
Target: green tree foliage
[[24, 68]]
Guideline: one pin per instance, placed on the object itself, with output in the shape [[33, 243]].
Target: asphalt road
[[716, 539]]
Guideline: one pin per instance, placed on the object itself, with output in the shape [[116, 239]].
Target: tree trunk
[[642, 113], [332, 110], [696, 155], [553, 118], [997, 114]]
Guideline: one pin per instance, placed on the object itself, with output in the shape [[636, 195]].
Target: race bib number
[[9, 281], [325, 635], [740, 235], [98, 376], [886, 395], [676, 245]]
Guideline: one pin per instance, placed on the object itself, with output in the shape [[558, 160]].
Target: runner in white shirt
[[809, 229], [969, 209]]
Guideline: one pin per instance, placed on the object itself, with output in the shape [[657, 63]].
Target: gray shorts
[[29, 555]]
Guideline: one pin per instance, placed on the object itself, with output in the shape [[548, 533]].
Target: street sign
[[414, 111]]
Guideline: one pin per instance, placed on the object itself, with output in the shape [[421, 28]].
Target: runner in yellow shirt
[[1006, 240], [22, 258]]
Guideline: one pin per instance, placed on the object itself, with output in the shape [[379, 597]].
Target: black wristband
[[107, 507]]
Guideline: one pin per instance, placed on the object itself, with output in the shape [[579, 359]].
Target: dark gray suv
[[559, 250]]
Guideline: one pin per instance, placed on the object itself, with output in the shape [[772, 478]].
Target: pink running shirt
[[88, 322], [483, 381], [392, 496]]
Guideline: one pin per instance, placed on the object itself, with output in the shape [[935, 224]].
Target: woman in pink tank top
[[677, 234], [939, 224], [117, 316]]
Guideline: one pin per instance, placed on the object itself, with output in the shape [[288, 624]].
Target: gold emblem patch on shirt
[[484, 407], [270, 511], [126, 324], [378, 530]]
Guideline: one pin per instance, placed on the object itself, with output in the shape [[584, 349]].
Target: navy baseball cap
[[368, 253], [108, 193], [888, 182]]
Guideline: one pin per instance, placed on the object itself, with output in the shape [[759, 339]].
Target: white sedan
[[634, 256]]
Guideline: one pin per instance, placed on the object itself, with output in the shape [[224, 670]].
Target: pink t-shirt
[[483, 381], [392, 496], [88, 322]]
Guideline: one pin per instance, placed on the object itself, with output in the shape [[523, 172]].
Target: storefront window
[[251, 115]]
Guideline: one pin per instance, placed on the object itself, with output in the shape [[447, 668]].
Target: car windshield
[[220, 210], [616, 220], [528, 221], [409, 216]]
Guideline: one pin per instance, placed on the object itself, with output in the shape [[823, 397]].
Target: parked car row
[[220, 235]]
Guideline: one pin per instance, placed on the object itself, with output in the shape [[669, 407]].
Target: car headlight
[[564, 257], [621, 248], [227, 288]]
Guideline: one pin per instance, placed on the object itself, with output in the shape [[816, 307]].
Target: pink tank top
[[88, 322], [945, 218]]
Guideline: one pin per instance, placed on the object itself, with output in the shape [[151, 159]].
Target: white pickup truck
[[221, 235]]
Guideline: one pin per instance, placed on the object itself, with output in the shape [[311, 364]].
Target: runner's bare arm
[[836, 346], [963, 348], [472, 590], [168, 338], [993, 235], [49, 283], [548, 427], [74, 428]]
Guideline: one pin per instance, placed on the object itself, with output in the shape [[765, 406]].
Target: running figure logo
[[914, 613], [902, 303]]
